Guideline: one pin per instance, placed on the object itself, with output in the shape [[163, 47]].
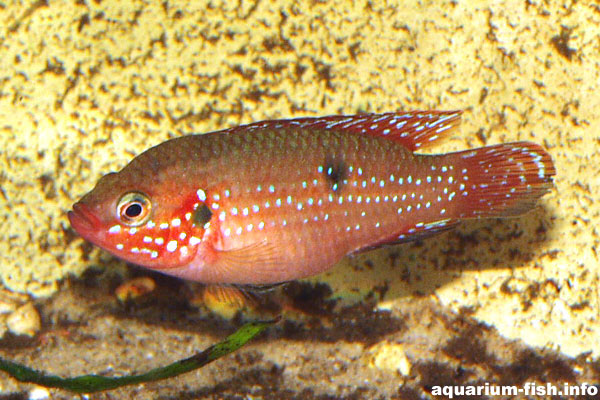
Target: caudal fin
[[504, 180]]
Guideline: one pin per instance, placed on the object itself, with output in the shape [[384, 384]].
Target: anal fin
[[417, 232]]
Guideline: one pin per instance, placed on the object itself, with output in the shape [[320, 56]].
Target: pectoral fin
[[255, 264]]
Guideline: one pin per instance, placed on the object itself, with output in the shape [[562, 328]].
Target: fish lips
[[84, 221]]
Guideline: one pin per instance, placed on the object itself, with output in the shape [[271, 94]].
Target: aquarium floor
[[319, 351]]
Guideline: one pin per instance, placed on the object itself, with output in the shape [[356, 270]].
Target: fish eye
[[134, 208]]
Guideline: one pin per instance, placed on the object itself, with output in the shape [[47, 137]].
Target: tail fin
[[503, 180]]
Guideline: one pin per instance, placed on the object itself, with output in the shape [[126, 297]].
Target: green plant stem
[[96, 383]]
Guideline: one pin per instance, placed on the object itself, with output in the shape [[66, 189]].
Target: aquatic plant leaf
[[96, 383]]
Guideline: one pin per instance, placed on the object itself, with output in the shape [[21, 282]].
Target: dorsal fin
[[414, 130]]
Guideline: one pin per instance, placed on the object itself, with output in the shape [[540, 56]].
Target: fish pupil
[[133, 210]]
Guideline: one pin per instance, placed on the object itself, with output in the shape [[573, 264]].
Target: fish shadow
[[420, 268], [315, 315]]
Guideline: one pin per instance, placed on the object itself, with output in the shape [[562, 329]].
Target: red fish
[[275, 201]]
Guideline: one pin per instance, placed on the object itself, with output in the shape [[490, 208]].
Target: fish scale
[[375, 192], [280, 200]]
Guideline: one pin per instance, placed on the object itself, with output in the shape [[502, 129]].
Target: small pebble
[[25, 320], [9, 301], [391, 357], [135, 288], [39, 393]]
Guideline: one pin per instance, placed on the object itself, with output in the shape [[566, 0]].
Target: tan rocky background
[[87, 85]]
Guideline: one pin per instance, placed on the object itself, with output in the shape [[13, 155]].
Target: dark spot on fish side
[[336, 173], [202, 215]]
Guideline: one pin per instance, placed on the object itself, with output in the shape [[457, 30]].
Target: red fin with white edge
[[414, 129], [504, 180], [410, 234]]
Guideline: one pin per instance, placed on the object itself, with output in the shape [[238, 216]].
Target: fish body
[[275, 201]]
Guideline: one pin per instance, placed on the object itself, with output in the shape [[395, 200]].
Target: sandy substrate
[[85, 86], [321, 350]]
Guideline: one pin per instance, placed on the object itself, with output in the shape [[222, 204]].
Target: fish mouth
[[83, 220]]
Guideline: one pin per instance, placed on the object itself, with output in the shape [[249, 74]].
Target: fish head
[[158, 225]]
